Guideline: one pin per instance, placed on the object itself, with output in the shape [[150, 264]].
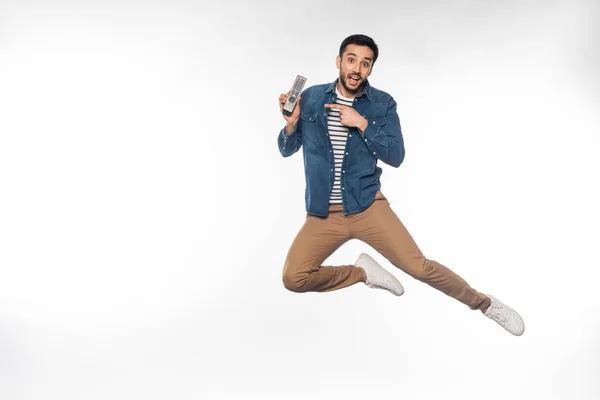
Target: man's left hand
[[349, 116]]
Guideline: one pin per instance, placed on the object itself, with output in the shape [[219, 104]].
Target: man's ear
[[338, 61]]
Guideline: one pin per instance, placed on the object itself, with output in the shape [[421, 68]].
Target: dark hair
[[360, 40]]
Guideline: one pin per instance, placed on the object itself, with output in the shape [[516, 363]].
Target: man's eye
[[366, 65], [350, 60]]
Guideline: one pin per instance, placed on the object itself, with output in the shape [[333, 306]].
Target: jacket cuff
[[284, 139], [367, 136]]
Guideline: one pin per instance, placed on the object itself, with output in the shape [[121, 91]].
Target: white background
[[146, 212]]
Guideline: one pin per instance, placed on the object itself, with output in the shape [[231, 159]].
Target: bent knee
[[292, 282]]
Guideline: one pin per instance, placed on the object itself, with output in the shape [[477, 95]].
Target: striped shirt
[[338, 134]]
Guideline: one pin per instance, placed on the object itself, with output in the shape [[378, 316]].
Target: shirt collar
[[330, 88]]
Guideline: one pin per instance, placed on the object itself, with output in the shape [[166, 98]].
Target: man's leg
[[381, 228], [318, 239]]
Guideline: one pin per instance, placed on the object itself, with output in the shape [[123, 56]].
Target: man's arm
[[289, 139], [384, 140]]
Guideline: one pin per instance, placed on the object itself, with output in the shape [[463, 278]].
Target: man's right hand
[[291, 120]]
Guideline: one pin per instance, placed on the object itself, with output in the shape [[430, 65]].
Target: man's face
[[355, 66]]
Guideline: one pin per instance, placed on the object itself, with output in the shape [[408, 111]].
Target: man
[[345, 127]]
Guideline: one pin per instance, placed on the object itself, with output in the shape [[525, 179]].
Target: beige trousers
[[379, 227]]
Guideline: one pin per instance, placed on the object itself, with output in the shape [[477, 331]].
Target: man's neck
[[344, 92]]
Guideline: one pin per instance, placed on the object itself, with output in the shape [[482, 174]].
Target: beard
[[358, 88]]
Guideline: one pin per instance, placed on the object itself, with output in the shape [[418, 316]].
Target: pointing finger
[[335, 107]]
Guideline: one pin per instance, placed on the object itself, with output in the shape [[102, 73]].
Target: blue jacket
[[381, 140]]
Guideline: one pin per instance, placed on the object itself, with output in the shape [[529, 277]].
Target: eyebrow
[[352, 54]]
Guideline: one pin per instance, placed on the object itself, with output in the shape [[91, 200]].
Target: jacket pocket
[[308, 117], [378, 121], [309, 125]]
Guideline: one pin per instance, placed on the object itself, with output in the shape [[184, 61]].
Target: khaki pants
[[379, 227]]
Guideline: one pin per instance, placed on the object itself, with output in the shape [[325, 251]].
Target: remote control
[[297, 87]]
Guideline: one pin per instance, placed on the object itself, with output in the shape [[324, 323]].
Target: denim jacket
[[381, 140]]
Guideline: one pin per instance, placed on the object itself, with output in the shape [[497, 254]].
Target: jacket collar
[[330, 88]]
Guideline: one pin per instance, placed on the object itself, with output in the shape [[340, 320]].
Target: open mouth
[[353, 79]]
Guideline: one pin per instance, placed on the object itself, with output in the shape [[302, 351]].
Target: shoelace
[[498, 315]]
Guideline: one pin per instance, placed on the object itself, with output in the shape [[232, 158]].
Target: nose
[[357, 69]]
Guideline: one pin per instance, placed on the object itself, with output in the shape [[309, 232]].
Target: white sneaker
[[377, 276], [508, 318]]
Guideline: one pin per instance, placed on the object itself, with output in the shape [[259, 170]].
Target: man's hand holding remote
[[291, 120]]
